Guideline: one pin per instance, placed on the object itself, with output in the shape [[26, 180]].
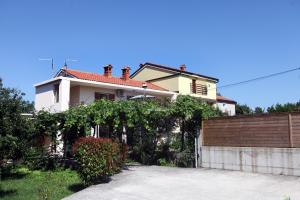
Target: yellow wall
[[149, 73], [182, 84], [179, 83], [171, 84], [185, 87]]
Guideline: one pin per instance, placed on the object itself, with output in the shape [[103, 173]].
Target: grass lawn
[[25, 184]]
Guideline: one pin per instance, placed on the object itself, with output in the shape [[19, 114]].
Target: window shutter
[[194, 90]]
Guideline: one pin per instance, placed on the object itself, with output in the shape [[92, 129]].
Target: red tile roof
[[112, 80], [225, 100]]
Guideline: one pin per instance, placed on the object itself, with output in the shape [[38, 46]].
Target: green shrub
[[162, 162], [98, 158], [38, 159], [184, 159]]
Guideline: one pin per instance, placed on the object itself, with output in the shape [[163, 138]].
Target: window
[[194, 91], [197, 88], [99, 95], [56, 93]]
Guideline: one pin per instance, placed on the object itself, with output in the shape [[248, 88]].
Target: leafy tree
[[16, 131], [47, 125], [190, 112], [288, 107], [258, 110], [146, 122], [243, 109]]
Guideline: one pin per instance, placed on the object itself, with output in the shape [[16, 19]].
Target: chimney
[[108, 70], [125, 73], [182, 67]]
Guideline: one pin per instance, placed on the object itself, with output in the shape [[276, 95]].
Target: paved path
[[164, 183]]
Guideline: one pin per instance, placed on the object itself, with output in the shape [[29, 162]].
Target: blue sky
[[230, 40]]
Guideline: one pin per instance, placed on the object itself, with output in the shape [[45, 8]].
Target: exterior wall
[[226, 108], [75, 95], [150, 73], [284, 161], [64, 94], [185, 87], [182, 84], [171, 84], [87, 94], [44, 98], [179, 83]]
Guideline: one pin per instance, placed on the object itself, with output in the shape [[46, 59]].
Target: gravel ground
[[165, 183]]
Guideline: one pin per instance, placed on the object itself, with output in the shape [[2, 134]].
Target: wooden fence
[[280, 130]]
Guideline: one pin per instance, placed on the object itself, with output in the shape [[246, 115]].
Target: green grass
[[23, 184]]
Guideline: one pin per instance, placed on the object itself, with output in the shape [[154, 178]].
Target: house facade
[[226, 105], [178, 80], [70, 87], [183, 82]]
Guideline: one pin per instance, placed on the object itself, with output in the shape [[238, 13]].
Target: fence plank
[[266, 130]]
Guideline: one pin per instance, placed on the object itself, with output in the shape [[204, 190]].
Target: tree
[[15, 130], [243, 109], [288, 107], [189, 112], [259, 110]]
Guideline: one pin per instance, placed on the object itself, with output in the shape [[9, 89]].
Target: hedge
[[98, 158]]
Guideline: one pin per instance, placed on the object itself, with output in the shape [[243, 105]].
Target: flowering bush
[[98, 158]]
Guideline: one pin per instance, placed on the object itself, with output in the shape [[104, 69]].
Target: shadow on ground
[[12, 175], [76, 187], [4, 193], [80, 186]]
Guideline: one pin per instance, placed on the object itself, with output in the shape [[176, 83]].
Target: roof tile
[[225, 100], [112, 80]]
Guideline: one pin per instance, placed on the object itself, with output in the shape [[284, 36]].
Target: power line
[[258, 78]]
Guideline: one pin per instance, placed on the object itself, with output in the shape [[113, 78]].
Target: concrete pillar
[[200, 139], [64, 94], [174, 97]]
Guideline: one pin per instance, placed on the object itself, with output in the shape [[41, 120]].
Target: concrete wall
[[75, 96], [285, 161], [64, 94], [44, 98]]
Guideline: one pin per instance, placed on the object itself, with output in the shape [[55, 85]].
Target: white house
[[226, 105], [71, 88]]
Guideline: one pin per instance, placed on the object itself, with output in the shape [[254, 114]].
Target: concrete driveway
[[153, 182]]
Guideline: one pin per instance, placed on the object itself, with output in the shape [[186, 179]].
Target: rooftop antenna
[[69, 60], [48, 59]]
